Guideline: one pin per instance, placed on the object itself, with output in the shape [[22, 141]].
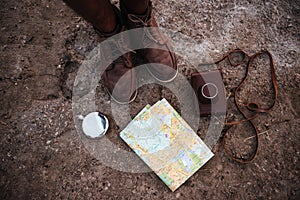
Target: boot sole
[[122, 103], [163, 81]]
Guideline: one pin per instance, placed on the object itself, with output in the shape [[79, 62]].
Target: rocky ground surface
[[43, 44]]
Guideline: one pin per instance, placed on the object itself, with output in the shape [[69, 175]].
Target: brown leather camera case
[[216, 105]]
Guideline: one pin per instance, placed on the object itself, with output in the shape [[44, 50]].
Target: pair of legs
[[100, 12], [108, 21]]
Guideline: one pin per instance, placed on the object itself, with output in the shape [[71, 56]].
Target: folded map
[[166, 143]]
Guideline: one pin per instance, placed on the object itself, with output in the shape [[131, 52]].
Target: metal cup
[[95, 125]]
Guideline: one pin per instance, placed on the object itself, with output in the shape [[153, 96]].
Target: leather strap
[[254, 107]]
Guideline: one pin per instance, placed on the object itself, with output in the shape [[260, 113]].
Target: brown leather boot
[[125, 91], [155, 40]]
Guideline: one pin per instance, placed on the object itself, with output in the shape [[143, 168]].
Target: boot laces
[[152, 33]]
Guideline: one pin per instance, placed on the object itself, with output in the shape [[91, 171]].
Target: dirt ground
[[43, 44]]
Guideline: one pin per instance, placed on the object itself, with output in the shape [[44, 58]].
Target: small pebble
[[219, 167]]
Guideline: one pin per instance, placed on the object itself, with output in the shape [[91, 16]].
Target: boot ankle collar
[[119, 24]]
